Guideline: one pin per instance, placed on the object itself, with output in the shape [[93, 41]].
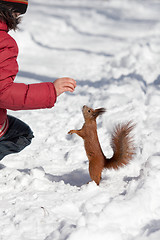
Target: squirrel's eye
[[89, 110]]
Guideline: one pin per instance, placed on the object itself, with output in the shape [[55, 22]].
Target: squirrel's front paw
[[71, 131]]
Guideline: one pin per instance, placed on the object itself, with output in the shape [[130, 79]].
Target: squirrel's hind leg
[[95, 174]]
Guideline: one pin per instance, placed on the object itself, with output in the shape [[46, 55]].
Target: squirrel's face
[[87, 112], [90, 113]]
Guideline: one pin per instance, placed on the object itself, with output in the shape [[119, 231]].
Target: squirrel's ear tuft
[[98, 112]]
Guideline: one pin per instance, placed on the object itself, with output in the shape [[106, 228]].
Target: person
[[15, 135]]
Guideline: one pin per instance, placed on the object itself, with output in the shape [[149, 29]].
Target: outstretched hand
[[64, 84]]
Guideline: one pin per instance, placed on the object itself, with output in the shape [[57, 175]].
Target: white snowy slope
[[112, 49]]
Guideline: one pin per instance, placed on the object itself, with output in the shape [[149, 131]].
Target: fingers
[[64, 84], [69, 85], [70, 81]]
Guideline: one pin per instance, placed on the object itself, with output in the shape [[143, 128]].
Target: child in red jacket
[[15, 135]]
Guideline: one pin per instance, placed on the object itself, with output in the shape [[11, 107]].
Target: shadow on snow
[[75, 178]]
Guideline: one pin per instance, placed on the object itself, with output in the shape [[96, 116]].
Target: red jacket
[[18, 96]]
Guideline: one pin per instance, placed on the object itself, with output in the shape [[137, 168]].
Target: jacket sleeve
[[19, 96]]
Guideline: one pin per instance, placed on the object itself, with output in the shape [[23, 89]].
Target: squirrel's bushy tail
[[122, 145]]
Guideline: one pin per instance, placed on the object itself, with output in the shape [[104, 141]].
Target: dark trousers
[[18, 136]]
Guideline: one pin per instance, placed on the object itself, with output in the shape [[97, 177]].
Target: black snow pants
[[18, 136]]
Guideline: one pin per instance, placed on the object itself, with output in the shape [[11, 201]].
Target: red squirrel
[[121, 143]]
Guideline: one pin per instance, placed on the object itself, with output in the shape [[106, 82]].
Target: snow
[[112, 49]]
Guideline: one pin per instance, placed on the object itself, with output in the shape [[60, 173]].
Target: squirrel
[[121, 143]]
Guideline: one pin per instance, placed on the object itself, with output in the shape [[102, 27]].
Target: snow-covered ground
[[112, 49]]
